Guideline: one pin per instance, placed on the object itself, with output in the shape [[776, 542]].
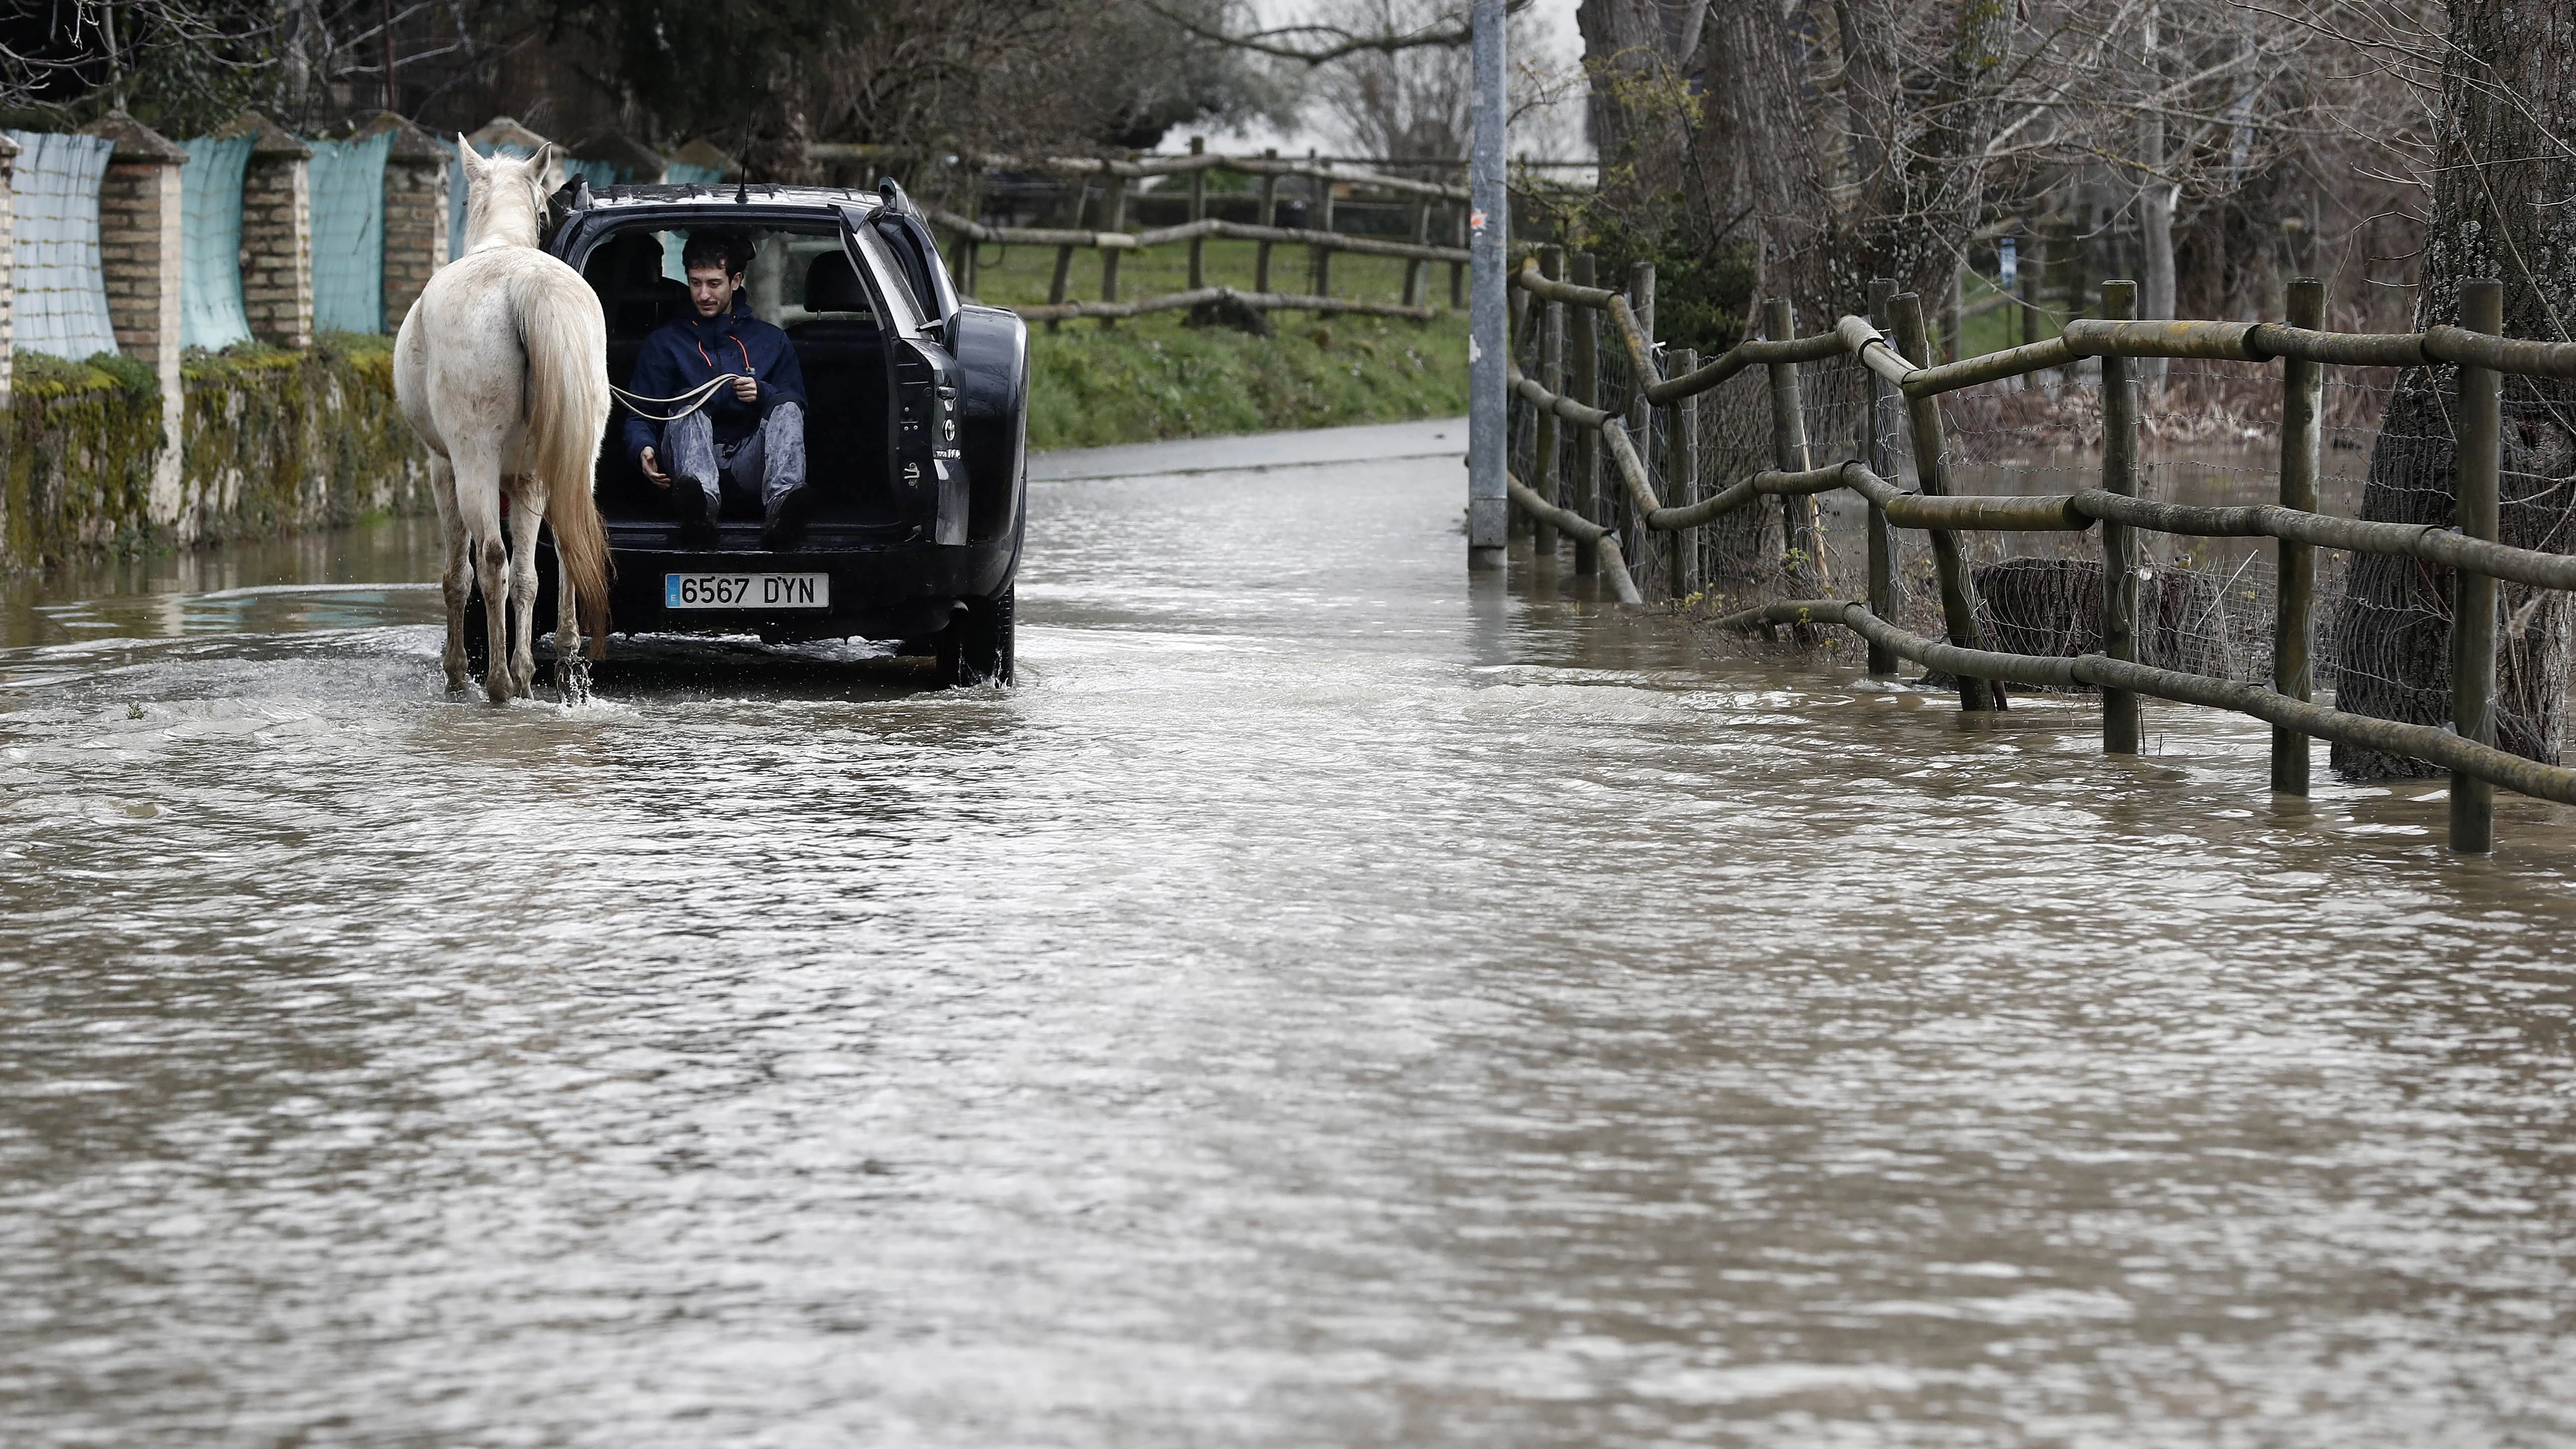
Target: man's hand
[[746, 389], [652, 474]]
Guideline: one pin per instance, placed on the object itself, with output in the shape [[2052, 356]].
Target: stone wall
[[274, 442]]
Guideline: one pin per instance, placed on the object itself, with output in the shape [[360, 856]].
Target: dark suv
[[916, 426]]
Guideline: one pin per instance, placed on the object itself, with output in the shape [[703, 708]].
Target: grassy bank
[[1154, 377]]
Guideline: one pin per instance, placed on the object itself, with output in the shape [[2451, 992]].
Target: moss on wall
[[273, 442], [279, 441], [82, 446]]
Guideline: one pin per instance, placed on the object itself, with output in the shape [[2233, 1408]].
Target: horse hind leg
[[572, 671], [478, 505], [527, 518], [455, 570]]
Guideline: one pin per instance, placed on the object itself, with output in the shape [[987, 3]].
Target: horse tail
[[565, 337]]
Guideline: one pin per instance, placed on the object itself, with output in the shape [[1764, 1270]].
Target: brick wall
[[138, 252], [415, 213], [277, 244], [8, 247]]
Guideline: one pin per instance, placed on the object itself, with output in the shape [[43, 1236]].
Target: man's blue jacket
[[688, 350]]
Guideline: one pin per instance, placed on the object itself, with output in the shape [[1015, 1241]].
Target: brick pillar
[[8, 291], [415, 212], [138, 248], [277, 233]]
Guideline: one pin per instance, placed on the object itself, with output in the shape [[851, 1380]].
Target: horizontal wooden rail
[[1210, 161], [1040, 236], [1574, 524], [2441, 747], [2431, 542], [1258, 301], [2472, 552]]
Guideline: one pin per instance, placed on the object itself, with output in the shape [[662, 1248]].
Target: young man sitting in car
[[751, 429]]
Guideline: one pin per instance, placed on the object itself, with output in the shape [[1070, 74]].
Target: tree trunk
[[2499, 210], [2156, 197]]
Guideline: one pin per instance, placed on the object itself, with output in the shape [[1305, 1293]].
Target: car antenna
[[742, 191]]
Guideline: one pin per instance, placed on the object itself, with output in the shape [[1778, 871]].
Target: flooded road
[[1329, 1003]]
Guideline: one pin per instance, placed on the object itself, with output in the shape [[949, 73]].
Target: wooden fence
[[1112, 239], [2467, 748]]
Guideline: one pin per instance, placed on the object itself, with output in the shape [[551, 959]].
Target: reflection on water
[[1328, 1003]]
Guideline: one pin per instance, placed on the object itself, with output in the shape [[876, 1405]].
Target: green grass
[[1155, 377], [1152, 377], [1995, 331]]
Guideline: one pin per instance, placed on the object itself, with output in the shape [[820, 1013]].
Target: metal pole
[[2294, 572], [2119, 542], [1489, 224], [2473, 609], [1879, 423]]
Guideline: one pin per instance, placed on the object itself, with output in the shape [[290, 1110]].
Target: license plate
[[746, 591]]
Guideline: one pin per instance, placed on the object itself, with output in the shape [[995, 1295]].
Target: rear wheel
[[978, 645]]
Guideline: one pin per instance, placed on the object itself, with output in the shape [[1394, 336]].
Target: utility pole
[[1488, 228]]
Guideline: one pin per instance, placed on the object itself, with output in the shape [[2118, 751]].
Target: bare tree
[[2500, 182]]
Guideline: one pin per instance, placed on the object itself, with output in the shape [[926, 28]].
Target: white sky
[[1552, 18]]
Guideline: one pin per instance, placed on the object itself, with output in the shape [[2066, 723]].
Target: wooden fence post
[[1064, 255], [1457, 270], [1585, 387], [1878, 424], [1681, 478], [1198, 213], [1413, 265], [1551, 375], [1115, 205], [1641, 414], [2473, 608], [2119, 541], [2294, 572], [1799, 525], [1269, 217], [1932, 477], [1322, 187]]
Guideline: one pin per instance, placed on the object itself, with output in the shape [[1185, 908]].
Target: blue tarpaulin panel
[[598, 173], [348, 187], [672, 241], [61, 301], [210, 217]]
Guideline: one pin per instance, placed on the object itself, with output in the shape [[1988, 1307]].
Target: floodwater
[[1333, 1001]]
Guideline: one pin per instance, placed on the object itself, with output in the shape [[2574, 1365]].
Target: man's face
[[712, 289]]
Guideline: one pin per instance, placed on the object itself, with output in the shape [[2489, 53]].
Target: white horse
[[502, 368]]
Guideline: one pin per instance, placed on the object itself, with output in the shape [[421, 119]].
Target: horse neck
[[511, 226]]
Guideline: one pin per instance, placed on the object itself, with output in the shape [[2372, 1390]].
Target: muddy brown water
[[1332, 1001]]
